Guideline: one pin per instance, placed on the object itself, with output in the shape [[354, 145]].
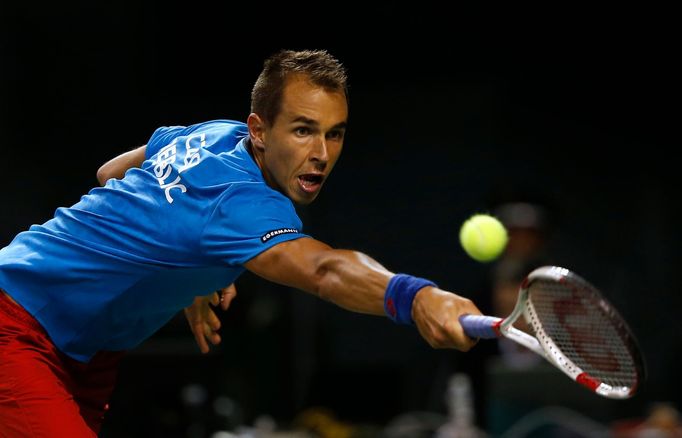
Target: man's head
[[321, 69], [299, 110]]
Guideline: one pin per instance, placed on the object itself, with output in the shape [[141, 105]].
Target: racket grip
[[480, 326]]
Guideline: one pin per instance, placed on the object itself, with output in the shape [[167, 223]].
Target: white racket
[[575, 328]]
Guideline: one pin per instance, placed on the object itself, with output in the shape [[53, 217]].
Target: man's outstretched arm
[[357, 282], [116, 167]]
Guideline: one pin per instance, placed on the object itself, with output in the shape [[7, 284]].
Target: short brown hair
[[318, 66]]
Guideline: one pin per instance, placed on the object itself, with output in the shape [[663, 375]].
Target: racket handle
[[480, 326]]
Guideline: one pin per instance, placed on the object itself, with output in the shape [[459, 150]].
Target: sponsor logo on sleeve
[[274, 233]]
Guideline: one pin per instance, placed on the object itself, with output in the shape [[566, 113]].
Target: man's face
[[301, 147]]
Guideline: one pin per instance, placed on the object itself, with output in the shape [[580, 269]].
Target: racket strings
[[585, 330]]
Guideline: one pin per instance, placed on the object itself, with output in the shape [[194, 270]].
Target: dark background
[[450, 115]]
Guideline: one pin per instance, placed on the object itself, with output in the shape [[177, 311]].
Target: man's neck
[[258, 158]]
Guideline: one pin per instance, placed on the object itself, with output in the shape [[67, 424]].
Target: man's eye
[[302, 131], [335, 135]]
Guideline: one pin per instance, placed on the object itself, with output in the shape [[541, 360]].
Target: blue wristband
[[399, 296]]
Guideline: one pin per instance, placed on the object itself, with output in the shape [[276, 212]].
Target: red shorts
[[43, 392]]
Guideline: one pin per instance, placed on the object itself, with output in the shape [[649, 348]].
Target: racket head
[[581, 332]]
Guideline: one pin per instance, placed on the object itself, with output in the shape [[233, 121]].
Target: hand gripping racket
[[576, 330]]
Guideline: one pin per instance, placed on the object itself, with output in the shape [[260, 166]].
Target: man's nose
[[320, 152]]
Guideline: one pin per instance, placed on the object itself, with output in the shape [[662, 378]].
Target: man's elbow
[[327, 274], [103, 175], [117, 167]]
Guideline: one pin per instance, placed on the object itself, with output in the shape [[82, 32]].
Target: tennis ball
[[483, 237]]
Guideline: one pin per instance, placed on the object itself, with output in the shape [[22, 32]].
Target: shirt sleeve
[[249, 219]]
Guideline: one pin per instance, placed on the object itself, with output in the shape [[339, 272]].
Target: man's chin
[[303, 200], [301, 197]]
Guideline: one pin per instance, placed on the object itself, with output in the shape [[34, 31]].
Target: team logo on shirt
[[163, 164], [274, 233]]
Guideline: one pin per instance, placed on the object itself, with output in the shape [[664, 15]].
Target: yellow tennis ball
[[483, 237]]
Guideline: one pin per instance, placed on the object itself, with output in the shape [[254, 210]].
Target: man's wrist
[[399, 296]]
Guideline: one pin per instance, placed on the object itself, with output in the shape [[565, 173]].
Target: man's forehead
[[291, 116], [311, 104]]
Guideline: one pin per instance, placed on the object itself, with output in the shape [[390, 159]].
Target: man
[[186, 214]]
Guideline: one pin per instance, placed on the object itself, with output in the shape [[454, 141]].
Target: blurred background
[[565, 131]]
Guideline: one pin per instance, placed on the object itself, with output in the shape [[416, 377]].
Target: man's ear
[[256, 131]]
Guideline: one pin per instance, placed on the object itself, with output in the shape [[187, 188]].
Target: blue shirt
[[109, 271]]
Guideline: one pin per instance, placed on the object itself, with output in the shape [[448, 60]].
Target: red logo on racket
[[585, 335]]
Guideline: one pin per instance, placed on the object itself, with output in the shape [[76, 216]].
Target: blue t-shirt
[[109, 271]]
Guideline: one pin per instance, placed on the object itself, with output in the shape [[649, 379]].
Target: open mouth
[[310, 182]]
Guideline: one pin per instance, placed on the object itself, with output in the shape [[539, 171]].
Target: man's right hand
[[436, 313]]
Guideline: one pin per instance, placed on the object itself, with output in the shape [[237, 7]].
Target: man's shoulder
[[257, 191], [255, 198], [220, 124], [218, 127]]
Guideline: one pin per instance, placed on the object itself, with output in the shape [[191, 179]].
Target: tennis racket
[[575, 329]]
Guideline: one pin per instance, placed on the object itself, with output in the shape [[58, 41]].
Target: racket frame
[[547, 348]]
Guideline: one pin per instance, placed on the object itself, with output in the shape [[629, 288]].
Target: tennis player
[[175, 220]]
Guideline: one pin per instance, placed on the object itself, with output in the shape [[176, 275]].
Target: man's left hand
[[202, 319]]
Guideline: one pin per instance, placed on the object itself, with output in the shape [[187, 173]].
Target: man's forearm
[[354, 281], [357, 282], [117, 167]]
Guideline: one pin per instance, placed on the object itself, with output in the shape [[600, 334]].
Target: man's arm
[[116, 167], [357, 282]]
